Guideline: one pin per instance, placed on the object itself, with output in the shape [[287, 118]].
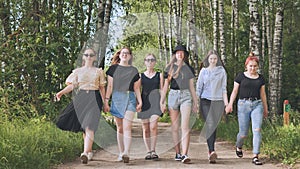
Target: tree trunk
[[263, 37], [234, 34], [4, 16], [269, 42], [222, 34], [192, 35], [274, 79], [215, 24], [101, 38], [170, 29], [254, 39]]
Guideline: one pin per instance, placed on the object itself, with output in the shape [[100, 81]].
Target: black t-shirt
[[182, 81], [249, 88], [124, 77]]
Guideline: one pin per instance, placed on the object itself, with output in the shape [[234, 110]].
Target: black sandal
[[154, 156], [256, 161], [148, 156], [239, 153]]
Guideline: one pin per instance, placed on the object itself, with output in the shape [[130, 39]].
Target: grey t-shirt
[[124, 77]]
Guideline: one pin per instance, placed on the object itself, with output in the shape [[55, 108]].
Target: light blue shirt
[[211, 84]]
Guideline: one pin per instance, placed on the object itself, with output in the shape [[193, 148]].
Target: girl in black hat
[[182, 99]]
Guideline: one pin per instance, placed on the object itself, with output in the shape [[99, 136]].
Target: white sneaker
[[212, 157], [84, 158], [120, 158], [90, 155]]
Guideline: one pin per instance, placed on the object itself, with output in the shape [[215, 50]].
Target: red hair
[[251, 57]]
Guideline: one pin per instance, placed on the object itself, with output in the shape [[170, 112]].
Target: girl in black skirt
[[83, 113]]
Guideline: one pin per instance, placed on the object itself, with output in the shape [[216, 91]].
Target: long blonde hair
[[170, 65]]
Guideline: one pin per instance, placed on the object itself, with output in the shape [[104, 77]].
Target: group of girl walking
[[128, 91]]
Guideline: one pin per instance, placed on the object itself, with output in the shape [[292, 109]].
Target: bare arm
[[264, 100], [108, 93], [163, 94], [66, 90], [102, 92], [194, 96], [232, 97], [161, 85], [137, 90]]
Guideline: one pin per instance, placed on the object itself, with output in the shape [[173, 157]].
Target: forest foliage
[[42, 41]]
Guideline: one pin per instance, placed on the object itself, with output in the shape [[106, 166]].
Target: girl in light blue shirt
[[211, 90]]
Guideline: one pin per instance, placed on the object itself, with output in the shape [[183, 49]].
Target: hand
[[106, 107], [195, 108], [228, 109], [163, 107], [57, 96], [266, 113], [139, 107]]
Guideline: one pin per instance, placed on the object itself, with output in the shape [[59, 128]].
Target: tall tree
[[274, 79], [234, 32], [222, 32], [254, 37], [215, 24], [104, 15], [192, 34]]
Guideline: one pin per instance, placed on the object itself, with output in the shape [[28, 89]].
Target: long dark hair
[[205, 62]]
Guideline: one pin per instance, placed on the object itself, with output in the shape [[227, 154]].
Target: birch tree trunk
[[263, 37], [274, 74], [104, 13], [215, 24], [234, 34], [222, 34], [176, 20], [170, 29], [162, 39], [254, 39], [269, 41], [192, 35]]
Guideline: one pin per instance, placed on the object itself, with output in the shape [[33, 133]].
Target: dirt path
[[107, 158]]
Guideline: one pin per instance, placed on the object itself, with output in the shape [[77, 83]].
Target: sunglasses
[[89, 55], [150, 60]]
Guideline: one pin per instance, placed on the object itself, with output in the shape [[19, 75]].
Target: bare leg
[[185, 120], [88, 140], [174, 114], [127, 124], [146, 134], [119, 123], [153, 129]]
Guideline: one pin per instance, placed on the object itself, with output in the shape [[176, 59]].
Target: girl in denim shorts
[[123, 86], [182, 99]]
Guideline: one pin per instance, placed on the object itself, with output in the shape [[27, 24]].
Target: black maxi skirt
[[84, 111]]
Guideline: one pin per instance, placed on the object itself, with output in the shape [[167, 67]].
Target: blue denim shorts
[[179, 98], [122, 102]]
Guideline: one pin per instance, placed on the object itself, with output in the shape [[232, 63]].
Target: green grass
[[280, 143], [35, 143]]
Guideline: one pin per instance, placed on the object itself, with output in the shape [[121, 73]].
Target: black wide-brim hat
[[181, 48]]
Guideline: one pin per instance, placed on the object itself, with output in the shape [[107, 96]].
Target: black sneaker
[[239, 152], [178, 157], [256, 161], [185, 159]]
